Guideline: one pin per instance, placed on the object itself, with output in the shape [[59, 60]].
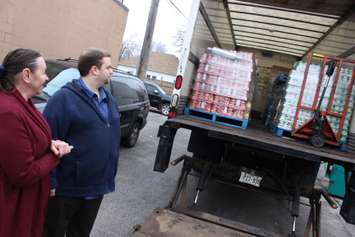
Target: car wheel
[[131, 139], [164, 109]]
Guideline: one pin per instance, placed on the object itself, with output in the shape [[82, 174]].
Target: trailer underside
[[220, 157], [223, 210]]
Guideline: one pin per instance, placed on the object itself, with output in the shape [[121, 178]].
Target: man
[[86, 116]]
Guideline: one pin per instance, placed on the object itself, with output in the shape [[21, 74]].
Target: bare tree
[[130, 48]]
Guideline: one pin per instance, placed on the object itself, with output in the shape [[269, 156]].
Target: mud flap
[[162, 158]]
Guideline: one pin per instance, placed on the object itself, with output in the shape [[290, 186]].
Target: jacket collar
[[90, 93], [76, 88], [33, 112]]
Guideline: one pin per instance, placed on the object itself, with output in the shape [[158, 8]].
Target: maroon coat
[[25, 163]]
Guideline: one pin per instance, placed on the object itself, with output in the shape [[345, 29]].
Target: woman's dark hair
[[14, 62], [91, 58]]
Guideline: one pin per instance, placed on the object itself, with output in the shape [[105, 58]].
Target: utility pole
[[144, 57]]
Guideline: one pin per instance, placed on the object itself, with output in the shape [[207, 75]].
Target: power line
[[173, 4]]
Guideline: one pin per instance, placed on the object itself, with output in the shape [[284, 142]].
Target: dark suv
[[157, 97], [128, 90]]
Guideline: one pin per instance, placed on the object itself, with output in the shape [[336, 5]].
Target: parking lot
[[140, 190]]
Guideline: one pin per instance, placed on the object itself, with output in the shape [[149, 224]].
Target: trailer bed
[[257, 136]]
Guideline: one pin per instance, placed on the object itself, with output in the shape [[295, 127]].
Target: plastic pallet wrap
[[224, 83], [289, 104]]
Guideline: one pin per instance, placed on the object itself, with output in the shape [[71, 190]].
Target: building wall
[[165, 81], [158, 76], [131, 70], [62, 28]]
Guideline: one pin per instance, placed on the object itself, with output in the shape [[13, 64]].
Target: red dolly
[[318, 129]]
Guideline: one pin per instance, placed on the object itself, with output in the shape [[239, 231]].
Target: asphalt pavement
[[140, 190]]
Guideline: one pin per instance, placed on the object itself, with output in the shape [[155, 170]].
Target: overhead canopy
[[340, 41], [291, 27]]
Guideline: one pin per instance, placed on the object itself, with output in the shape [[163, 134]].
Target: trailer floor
[[259, 137]]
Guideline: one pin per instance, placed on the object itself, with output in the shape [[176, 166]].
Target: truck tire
[[164, 109]]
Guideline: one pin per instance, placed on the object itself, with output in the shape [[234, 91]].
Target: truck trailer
[[243, 180]]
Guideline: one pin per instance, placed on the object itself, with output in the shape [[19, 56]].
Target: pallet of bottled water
[[224, 84], [293, 92]]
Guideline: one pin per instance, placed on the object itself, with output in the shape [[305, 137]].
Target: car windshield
[[161, 90], [60, 80], [53, 69], [156, 87]]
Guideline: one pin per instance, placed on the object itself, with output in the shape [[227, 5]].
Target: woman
[[27, 153]]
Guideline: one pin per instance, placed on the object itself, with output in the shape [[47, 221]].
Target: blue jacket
[[90, 169]]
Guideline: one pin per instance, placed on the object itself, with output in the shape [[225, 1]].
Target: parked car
[[157, 97], [129, 91]]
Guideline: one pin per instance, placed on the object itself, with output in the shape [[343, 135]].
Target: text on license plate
[[250, 179]]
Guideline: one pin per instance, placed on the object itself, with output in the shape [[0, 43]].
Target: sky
[[168, 21]]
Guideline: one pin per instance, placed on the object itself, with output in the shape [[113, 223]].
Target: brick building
[[62, 28], [161, 69]]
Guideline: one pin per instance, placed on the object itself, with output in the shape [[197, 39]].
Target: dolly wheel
[[317, 140]]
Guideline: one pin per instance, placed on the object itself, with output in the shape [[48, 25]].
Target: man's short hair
[[92, 57]]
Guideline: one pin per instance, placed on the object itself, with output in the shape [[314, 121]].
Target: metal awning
[[340, 41], [285, 26]]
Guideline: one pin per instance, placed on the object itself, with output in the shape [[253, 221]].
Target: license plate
[[250, 179]]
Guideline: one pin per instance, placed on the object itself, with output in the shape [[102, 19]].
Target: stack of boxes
[[293, 91], [289, 104], [339, 102], [224, 83]]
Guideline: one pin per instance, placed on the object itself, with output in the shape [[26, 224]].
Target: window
[[128, 90], [154, 77], [150, 88], [161, 90], [60, 80], [53, 69]]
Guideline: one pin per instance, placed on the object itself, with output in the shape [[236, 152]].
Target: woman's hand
[[52, 193], [60, 148]]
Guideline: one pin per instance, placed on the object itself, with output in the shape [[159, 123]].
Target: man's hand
[[60, 148]]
